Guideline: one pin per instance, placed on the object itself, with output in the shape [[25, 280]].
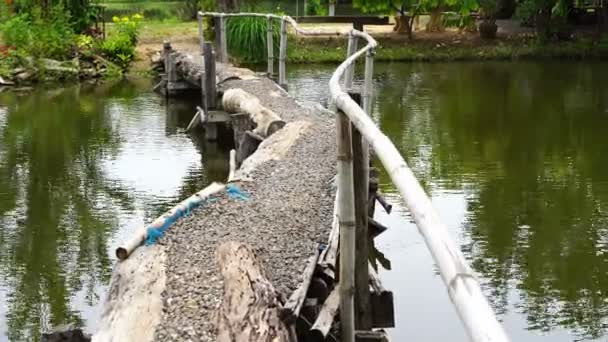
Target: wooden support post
[[360, 176], [211, 131], [346, 214], [209, 84], [241, 123], [223, 44], [368, 82], [352, 48], [166, 51], [201, 36], [382, 304], [270, 45], [283, 55]]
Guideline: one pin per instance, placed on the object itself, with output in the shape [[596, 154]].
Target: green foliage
[[37, 36], [120, 46], [246, 37], [316, 7]]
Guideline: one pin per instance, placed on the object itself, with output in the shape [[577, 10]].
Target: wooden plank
[[371, 336], [324, 321], [344, 19], [383, 308], [291, 310]]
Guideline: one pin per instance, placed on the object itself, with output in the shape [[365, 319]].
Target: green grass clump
[[246, 38]]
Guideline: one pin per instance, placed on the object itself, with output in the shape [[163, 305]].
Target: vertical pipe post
[[283, 54], [209, 85], [368, 82], [223, 44], [352, 48], [270, 44], [346, 215], [201, 37], [332, 8]]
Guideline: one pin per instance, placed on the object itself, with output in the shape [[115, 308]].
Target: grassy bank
[[334, 50]]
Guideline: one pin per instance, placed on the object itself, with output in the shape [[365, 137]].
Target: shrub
[[50, 37], [120, 46]]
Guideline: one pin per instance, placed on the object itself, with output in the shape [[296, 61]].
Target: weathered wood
[[371, 336], [201, 36], [250, 305], [291, 310], [196, 120], [223, 40], [387, 206], [241, 123], [270, 46], [350, 70], [239, 101], [346, 215], [375, 228], [248, 145], [320, 329], [360, 175], [209, 83], [383, 310], [283, 55], [329, 256], [318, 289]]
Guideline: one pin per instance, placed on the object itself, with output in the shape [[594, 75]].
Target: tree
[[408, 10]]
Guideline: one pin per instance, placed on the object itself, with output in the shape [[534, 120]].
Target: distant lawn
[[155, 10]]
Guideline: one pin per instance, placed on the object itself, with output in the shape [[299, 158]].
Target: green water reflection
[[70, 188], [528, 145], [524, 146]]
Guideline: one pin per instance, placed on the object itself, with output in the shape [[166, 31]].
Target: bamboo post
[[352, 48], [363, 315], [283, 54], [201, 36], [346, 214], [209, 85], [332, 8], [223, 44], [270, 44], [368, 82]]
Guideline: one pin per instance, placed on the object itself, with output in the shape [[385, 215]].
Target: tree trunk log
[[250, 306], [239, 101]]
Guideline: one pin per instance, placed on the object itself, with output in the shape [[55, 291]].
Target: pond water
[[80, 170], [515, 158]]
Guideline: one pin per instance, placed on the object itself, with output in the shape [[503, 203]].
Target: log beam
[[239, 101], [250, 305]]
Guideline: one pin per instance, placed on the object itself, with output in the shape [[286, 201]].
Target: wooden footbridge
[[337, 280]]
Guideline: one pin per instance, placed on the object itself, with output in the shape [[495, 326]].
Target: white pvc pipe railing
[[477, 316]]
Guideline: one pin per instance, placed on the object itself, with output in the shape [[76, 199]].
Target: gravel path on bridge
[[288, 212]]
